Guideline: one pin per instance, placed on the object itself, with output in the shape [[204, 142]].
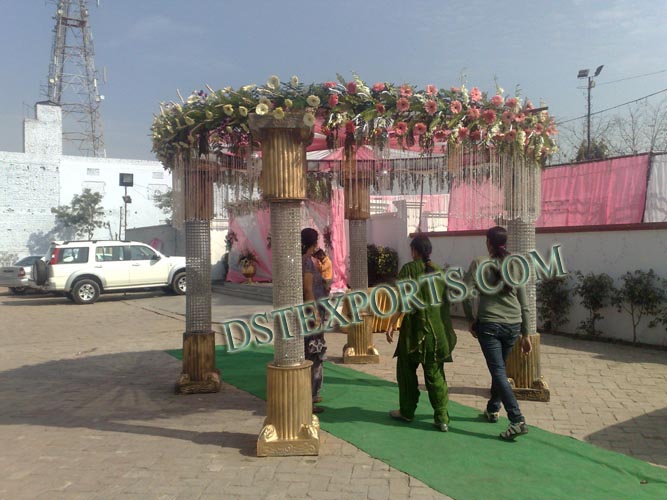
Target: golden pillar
[[290, 428], [359, 347]]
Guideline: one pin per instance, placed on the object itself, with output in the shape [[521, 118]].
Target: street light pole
[[583, 73]]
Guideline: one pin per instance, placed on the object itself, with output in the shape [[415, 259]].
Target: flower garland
[[354, 113]]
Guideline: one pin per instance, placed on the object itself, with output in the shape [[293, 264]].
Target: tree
[[595, 291], [599, 150], [83, 215], [553, 302], [165, 202], [640, 295]]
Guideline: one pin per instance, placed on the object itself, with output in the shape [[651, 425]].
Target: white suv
[[82, 270]]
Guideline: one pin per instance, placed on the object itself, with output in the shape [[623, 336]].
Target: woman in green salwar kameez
[[426, 337]]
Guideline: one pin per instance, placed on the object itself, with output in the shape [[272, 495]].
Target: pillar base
[[290, 428], [538, 392], [524, 374], [199, 374], [359, 348]]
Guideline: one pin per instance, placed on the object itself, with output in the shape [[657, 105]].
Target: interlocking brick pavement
[[87, 411]]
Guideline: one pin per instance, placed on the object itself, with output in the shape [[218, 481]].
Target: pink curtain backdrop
[[601, 192], [252, 231], [470, 206]]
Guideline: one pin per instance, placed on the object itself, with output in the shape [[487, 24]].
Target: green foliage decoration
[[596, 291], [553, 302]]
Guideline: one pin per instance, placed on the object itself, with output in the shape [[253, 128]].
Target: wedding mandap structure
[[247, 149]]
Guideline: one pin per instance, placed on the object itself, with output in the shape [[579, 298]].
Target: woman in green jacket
[[426, 337]]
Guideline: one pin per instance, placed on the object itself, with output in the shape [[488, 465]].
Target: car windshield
[[28, 261]]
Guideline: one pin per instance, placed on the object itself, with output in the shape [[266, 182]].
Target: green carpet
[[468, 462]]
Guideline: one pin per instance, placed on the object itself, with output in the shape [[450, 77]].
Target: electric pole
[[583, 73]]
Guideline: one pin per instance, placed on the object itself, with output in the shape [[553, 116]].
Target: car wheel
[[17, 290], [179, 283], [39, 273], [85, 291]]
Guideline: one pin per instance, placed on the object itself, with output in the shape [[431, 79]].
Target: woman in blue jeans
[[502, 319]]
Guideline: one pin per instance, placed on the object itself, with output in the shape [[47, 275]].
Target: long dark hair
[[497, 238], [422, 246], [309, 238]]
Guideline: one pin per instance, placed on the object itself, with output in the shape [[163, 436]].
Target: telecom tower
[[73, 80]]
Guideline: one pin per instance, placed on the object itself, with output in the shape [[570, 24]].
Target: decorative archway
[[208, 135]]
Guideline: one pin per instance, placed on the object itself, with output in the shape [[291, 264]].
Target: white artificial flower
[[521, 137], [243, 111], [264, 100], [313, 101], [261, 109], [309, 119], [294, 80], [278, 113], [274, 82], [247, 88], [228, 109]]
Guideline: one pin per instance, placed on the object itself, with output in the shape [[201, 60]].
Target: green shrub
[[553, 302], [640, 295], [595, 291], [382, 265]]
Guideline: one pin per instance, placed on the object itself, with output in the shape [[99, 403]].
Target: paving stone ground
[[87, 409]]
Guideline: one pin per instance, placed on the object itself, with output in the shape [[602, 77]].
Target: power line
[[634, 77], [613, 107]]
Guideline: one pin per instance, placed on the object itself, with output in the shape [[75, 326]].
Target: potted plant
[[247, 261]]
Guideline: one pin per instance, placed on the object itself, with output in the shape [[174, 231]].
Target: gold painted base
[[211, 383], [290, 428], [359, 348], [372, 356], [538, 392]]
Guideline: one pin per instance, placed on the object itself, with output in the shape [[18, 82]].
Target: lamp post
[[583, 73]]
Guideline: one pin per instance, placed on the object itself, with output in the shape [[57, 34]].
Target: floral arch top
[[351, 112]]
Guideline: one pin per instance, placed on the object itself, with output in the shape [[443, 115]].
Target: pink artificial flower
[[401, 128], [463, 133], [507, 117], [498, 137], [349, 127], [511, 102], [379, 107], [442, 134], [456, 90], [552, 130], [520, 117], [378, 87], [333, 100], [431, 107], [539, 128], [510, 136], [497, 100], [431, 89], [489, 116], [402, 105], [475, 135], [475, 94], [352, 87], [456, 107], [329, 85], [473, 114], [406, 90], [420, 128], [529, 105]]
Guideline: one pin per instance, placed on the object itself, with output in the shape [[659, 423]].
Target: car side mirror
[[155, 257]]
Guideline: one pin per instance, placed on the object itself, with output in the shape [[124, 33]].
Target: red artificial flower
[[401, 128], [431, 107], [329, 85], [406, 90], [511, 102], [349, 127], [420, 128], [378, 87], [529, 105], [539, 128], [379, 107], [333, 100], [473, 114], [507, 117], [431, 89], [497, 100], [510, 136], [456, 107], [489, 116], [475, 135], [475, 94], [442, 135], [352, 88], [456, 90], [463, 132], [520, 117], [402, 105]]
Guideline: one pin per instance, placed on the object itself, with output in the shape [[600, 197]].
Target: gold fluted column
[[359, 348], [290, 428]]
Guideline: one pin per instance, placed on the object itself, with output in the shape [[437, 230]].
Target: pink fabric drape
[[601, 192], [470, 206], [253, 229]]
